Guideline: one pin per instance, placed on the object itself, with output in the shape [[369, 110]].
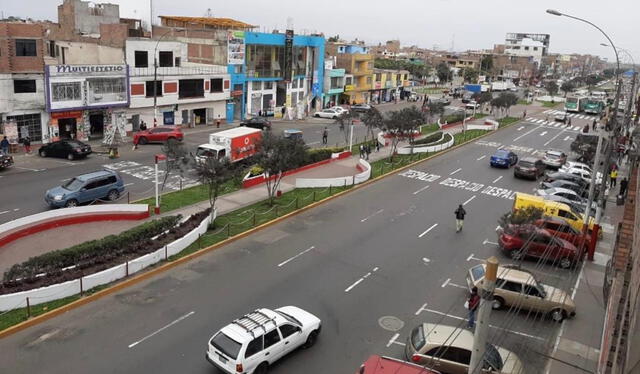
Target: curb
[[169, 265]]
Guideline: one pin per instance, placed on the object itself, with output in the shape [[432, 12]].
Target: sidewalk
[[577, 348]]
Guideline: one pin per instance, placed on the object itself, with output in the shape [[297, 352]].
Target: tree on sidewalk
[[372, 119], [402, 125], [213, 173], [471, 75], [552, 88], [345, 120], [434, 109], [277, 154], [177, 160], [508, 100], [567, 87], [443, 72]]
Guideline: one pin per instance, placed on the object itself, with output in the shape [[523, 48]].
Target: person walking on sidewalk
[[377, 146], [524, 114], [325, 135], [27, 144], [460, 213], [472, 304], [4, 145], [624, 183], [593, 125], [613, 176], [367, 150]]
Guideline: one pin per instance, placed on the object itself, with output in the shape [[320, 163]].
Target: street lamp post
[[612, 121]]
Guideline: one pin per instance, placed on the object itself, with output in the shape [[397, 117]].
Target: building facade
[[527, 45], [334, 82]]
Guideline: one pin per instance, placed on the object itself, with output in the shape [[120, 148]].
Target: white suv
[[253, 342]]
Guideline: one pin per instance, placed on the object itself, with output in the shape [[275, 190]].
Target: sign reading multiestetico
[[86, 70]]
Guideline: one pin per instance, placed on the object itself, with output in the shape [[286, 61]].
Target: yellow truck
[[552, 209]]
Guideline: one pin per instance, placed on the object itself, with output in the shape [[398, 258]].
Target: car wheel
[[71, 203], [565, 263], [497, 303], [316, 115], [70, 156], [113, 195], [516, 255], [334, 117], [42, 153], [143, 140], [311, 339], [558, 315], [262, 368]]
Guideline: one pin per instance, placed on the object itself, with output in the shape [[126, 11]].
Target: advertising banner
[[235, 47], [288, 56]]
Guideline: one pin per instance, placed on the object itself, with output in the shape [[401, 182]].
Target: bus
[[594, 106], [574, 103]]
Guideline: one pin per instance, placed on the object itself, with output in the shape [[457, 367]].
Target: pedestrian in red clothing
[[472, 304]]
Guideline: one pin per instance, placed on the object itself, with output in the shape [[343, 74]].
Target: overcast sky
[[463, 24]]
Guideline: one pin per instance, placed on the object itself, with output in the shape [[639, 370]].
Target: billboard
[[288, 56], [235, 47]]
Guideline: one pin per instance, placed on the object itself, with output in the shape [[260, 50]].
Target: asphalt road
[[385, 255], [23, 186]]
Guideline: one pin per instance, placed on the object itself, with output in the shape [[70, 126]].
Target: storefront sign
[[86, 70], [235, 47], [67, 114], [349, 87], [236, 93], [378, 85], [288, 56]]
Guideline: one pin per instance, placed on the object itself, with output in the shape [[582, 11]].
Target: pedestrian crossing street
[[570, 115], [553, 124]]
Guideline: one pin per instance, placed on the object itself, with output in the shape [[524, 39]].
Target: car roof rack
[[253, 321]]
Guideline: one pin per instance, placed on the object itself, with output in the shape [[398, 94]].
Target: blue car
[[503, 159], [86, 188]]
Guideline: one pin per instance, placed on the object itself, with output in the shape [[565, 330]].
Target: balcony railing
[[177, 70]]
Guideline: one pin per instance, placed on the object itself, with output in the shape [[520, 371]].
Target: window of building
[[256, 85], [535, 48], [294, 83], [216, 85], [51, 46], [141, 59], [67, 91], [149, 88], [268, 85], [28, 125], [165, 59], [190, 88], [516, 47], [368, 80], [26, 47], [526, 48], [24, 85], [177, 62], [107, 85]]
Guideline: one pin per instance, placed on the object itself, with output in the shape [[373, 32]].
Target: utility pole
[[484, 312]]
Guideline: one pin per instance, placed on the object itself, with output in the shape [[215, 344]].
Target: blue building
[[272, 71]]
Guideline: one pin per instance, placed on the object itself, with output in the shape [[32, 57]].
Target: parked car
[[560, 228], [86, 188], [521, 289], [520, 241], [567, 177], [467, 97], [563, 192], [158, 134], [250, 344], [294, 134], [442, 101], [361, 107], [569, 185], [575, 165], [575, 207], [67, 148], [388, 365], [257, 123], [503, 158], [327, 113], [560, 117], [586, 175], [529, 167], [5, 161], [472, 105], [448, 349], [554, 159], [340, 109]]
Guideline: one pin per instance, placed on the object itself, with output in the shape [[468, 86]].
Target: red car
[[387, 365], [159, 134], [563, 230], [531, 241]]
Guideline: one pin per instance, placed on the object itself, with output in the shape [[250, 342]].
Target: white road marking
[[312, 143], [30, 169], [553, 138], [520, 128], [455, 171], [161, 329], [495, 327], [497, 227], [456, 285], [539, 121], [393, 340], [543, 133], [427, 230], [470, 257], [548, 111], [366, 218], [497, 179], [420, 190], [296, 256], [422, 308], [576, 128], [567, 138], [361, 279], [425, 260], [486, 241], [526, 133], [480, 158], [5, 211], [469, 200], [446, 282], [128, 184], [557, 125]]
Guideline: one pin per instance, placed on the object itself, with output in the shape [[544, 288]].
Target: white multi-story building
[[527, 45]]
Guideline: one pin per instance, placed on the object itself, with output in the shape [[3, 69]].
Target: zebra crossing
[[553, 124], [570, 115]]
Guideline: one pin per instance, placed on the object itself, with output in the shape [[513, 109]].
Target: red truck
[[236, 144]]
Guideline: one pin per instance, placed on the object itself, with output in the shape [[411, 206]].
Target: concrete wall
[[86, 16], [83, 53]]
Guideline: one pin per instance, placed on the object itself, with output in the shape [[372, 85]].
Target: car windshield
[[227, 345], [417, 338], [289, 317], [502, 154], [492, 358], [73, 185], [203, 152], [553, 155], [526, 164]]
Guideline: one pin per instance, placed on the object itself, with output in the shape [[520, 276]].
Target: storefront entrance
[[200, 116], [67, 128], [96, 125]]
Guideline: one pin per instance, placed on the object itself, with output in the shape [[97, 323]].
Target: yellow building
[[360, 66], [387, 84]]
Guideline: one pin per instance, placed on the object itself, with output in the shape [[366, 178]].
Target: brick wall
[[10, 63]]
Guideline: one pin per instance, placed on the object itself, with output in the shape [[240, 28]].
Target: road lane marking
[[486, 241], [425, 260], [446, 282], [455, 171], [553, 138], [422, 308], [497, 179], [393, 340], [520, 128], [30, 169], [469, 200], [526, 133], [296, 256], [567, 138], [456, 285], [5, 211], [129, 184], [420, 190], [470, 257], [576, 128], [370, 216], [543, 133], [361, 279], [480, 158], [497, 227], [161, 329], [313, 143], [492, 326], [427, 230]]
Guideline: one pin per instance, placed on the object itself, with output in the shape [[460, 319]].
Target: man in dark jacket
[[460, 213]]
